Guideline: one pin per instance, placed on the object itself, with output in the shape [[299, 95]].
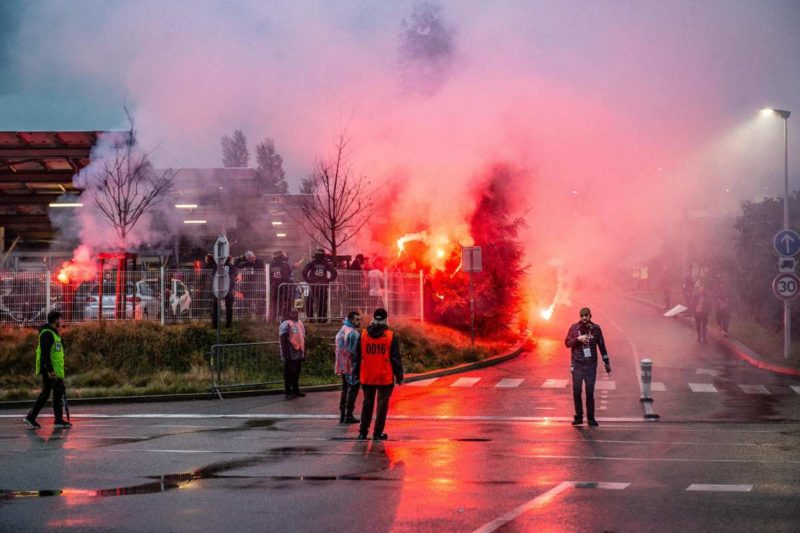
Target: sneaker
[[593, 422], [62, 424], [382, 436], [362, 436], [32, 423], [350, 419], [577, 421]]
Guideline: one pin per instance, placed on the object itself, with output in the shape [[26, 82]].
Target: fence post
[[47, 293], [267, 284], [161, 298], [386, 291], [421, 298]]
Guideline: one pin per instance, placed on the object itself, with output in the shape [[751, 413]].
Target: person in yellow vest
[[50, 364], [378, 364]]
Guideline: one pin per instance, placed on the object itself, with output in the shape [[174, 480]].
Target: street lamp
[[782, 113]]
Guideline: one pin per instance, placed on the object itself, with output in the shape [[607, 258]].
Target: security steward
[[378, 364], [584, 339], [50, 364]]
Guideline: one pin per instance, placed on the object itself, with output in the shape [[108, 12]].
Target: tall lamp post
[[782, 113]]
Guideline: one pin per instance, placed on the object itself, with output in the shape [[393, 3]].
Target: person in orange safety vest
[[378, 364]]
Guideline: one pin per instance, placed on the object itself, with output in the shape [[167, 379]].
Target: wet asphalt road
[[490, 449]]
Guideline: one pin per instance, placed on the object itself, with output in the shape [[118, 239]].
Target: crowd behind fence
[[185, 295]]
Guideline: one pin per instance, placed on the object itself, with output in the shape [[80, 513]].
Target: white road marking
[[702, 387], [554, 383], [657, 386], [465, 382], [422, 382], [542, 500], [755, 389], [719, 488], [507, 383], [606, 385], [707, 371], [796, 388], [311, 416]]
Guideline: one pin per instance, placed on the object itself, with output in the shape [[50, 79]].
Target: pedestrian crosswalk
[[603, 386]]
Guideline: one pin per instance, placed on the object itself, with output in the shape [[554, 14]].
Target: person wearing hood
[[50, 364], [347, 340], [378, 365]]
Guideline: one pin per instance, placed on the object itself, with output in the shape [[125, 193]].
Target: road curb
[[732, 346], [466, 367]]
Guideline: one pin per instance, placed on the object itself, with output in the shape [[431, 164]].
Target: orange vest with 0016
[[376, 368]]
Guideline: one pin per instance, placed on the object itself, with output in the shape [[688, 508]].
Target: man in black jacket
[[584, 338], [318, 273], [378, 365], [280, 273]]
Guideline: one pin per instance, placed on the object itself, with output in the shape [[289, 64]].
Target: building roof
[[36, 167]]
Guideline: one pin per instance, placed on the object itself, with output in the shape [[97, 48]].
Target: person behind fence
[[376, 285], [50, 364], [378, 365], [584, 339], [292, 334], [280, 273], [347, 340], [229, 298], [319, 273], [253, 285]]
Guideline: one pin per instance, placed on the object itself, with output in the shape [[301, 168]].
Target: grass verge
[[145, 358]]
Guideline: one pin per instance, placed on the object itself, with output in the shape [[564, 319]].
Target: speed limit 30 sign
[[786, 286]]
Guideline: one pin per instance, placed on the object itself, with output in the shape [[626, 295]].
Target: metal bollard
[[647, 379]]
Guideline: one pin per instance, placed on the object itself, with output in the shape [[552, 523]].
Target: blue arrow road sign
[[787, 242]]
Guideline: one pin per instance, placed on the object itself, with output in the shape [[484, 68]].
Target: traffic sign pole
[[787, 243]]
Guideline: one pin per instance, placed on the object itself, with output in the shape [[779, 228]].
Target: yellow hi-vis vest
[[56, 353]]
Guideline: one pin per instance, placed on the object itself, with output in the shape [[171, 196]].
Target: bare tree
[[338, 201], [124, 184]]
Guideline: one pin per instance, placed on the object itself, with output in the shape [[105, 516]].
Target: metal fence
[[185, 295], [244, 365]]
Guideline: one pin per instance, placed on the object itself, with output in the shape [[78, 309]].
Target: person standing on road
[[378, 365], [347, 340], [701, 307], [50, 364], [292, 334], [584, 339]]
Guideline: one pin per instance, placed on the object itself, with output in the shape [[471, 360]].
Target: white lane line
[[702, 387], [422, 382], [719, 488], [755, 389], [554, 383], [707, 371], [465, 382], [796, 388], [310, 416], [606, 385], [507, 383], [657, 386], [635, 351], [542, 500]]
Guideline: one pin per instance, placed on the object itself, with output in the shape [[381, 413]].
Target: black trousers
[[584, 373], [228, 310], [291, 375], [347, 401], [701, 325], [317, 302], [384, 392], [57, 387]]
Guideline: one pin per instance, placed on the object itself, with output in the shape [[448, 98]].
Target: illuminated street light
[[280, 235], [782, 113], [277, 223], [186, 206], [66, 204], [194, 221]]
